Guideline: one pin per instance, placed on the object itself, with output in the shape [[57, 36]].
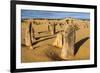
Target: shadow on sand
[[79, 44], [55, 57]]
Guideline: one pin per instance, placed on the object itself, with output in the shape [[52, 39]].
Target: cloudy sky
[[53, 14]]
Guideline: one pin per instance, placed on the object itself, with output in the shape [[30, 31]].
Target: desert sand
[[42, 48]]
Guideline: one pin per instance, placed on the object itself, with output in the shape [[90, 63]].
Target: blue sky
[[53, 14]]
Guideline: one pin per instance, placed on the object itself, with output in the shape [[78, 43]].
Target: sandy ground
[[44, 51]]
